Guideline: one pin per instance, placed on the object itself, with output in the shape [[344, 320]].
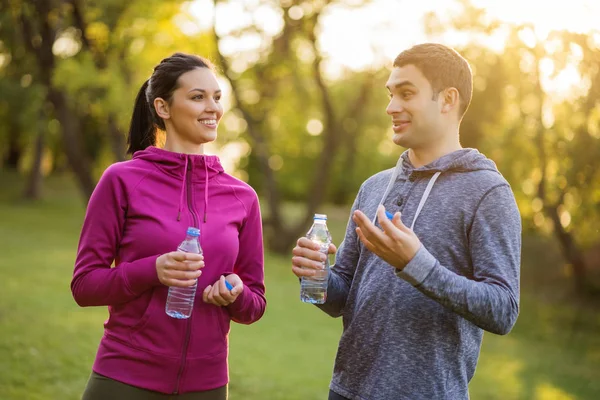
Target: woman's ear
[[162, 108], [450, 99]]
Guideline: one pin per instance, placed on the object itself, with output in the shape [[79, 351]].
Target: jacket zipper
[[189, 321]]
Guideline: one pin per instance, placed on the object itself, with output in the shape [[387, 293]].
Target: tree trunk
[[15, 151], [571, 252], [38, 21], [280, 237], [275, 228], [352, 129], [342, 187], [117, 140], [283, 242], [322, 173], [71, 142], [33, 189]]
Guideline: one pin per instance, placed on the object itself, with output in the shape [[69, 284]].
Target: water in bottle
[[313, 289], [180, 300]]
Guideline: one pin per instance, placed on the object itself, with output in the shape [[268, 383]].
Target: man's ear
[[450, 99], [162, 108]]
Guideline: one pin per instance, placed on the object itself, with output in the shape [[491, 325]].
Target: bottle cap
[[193, 231], [320, 216]]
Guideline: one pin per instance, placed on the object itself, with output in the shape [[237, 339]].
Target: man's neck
[[423, 156]]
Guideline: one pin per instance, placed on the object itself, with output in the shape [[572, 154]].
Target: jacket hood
[[193, 167], [463, 160], [178, 164]]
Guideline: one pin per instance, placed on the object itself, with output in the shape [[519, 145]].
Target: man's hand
[[218, 293], [396, 243], [307, 259]]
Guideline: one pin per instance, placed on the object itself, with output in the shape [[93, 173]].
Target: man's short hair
[[443, 67]]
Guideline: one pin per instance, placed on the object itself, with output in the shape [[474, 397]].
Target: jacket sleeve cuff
[[141, 275], [240, 302], [419, 268]]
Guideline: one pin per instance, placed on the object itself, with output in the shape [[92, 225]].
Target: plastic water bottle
[[313, 289], [180, 300]]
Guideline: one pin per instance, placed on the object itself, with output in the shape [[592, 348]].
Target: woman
[[137, 216]]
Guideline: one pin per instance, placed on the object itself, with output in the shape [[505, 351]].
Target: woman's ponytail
[[142, 132]]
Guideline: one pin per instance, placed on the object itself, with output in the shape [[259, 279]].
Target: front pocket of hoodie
[[156, 332], [209, 331]]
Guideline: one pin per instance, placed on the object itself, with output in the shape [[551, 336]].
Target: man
[[416, 292]]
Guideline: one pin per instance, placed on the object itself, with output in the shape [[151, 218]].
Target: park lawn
[[47, 343]]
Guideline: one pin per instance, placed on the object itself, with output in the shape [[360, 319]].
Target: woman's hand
[[218, 293], [178, 268]]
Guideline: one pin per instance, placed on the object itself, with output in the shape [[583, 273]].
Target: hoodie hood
[[192, 168], [178, 164], [463, 160]]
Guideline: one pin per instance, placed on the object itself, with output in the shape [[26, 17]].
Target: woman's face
[[194, 112]]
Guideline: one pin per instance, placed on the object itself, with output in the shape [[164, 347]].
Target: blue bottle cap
[[193, 231], [389, 215], [229, 287]]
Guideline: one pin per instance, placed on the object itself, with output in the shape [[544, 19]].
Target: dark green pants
[[102, 388]]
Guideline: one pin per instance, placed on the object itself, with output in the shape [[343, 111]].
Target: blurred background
[[305, 124]]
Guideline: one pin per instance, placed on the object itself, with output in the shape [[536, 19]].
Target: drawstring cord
[[181, 196], [205, 189]]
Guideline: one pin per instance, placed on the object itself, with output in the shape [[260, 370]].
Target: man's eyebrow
[[401, 84]]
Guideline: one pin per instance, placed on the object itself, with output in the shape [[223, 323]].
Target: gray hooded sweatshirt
[[416, 333]]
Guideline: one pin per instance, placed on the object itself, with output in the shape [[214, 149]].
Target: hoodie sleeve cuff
[[419, 268], [141, 275], [240, 303]]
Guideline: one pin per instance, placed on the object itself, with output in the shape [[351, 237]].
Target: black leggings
[[102, 388]]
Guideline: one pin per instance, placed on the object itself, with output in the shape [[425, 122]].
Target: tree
[[87, 59], [39, 24], [547, 146], [290, 67]]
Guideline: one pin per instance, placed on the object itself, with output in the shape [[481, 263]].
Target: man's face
[[415, 111]]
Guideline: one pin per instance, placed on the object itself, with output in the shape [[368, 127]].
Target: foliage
[[290, 128], [545, 142]]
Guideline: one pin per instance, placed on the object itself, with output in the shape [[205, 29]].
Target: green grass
[[47, 343]]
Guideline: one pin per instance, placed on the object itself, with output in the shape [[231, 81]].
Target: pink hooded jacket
[[139, 210]]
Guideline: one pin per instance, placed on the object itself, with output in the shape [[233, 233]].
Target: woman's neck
[[183, 147]]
